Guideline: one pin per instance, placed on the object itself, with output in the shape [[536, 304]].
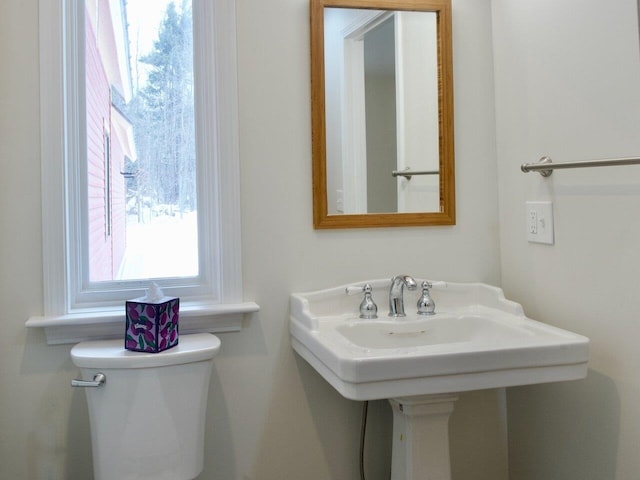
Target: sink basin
[[415, 331], [477, 339]]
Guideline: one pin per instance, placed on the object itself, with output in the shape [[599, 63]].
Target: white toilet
[[147, 415]]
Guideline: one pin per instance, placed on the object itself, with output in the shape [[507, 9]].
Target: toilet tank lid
[[112, 354]]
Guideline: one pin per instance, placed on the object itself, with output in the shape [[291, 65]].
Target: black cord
[[363, 431]]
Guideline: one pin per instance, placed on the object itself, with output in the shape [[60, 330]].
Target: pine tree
[[163, 115]]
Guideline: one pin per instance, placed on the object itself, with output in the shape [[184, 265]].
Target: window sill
[[104, 324]]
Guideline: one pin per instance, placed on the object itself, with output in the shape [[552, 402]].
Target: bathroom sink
[[414, 331], [477, 339]]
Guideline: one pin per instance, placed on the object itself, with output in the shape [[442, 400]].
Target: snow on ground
[[166, 246]]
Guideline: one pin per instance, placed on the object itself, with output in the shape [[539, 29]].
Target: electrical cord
[[363, 431]]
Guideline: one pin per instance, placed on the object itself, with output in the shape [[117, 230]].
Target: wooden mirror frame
[[446, 215]]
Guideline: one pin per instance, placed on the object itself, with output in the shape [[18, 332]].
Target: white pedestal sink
[[476, 340]]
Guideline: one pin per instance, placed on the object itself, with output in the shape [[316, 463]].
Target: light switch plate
[[539, 221]]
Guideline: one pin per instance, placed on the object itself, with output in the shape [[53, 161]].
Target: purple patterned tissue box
[[151, 326]]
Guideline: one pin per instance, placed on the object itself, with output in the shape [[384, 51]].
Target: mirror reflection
[[382, 113], [381, 90]]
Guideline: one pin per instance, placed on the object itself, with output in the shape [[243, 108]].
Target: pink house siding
[[106, 242]]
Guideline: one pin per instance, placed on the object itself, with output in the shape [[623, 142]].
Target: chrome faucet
[[396, 301]]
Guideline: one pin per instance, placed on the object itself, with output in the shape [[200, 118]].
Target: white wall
[[270, 415], [568, 86]]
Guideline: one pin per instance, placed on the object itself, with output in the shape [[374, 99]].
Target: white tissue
[[154, 294]]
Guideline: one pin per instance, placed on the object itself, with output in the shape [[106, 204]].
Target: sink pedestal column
[[421, 437]]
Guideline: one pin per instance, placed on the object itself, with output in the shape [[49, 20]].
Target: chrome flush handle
[[99, 379]]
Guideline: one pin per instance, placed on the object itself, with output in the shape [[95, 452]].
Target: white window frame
[[73, 312]]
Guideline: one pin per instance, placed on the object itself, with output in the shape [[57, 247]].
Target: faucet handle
[[355, 289], [426, 305], [368, 308]]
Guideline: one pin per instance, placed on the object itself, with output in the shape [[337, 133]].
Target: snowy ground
[[167, 246]]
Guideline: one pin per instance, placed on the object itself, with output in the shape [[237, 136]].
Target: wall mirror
[[382, 113]]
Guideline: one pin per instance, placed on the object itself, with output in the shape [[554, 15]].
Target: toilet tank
[[148, 419]]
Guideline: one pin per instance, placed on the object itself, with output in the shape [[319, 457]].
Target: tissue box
[[151, 326]]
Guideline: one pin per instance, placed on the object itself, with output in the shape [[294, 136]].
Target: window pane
[[140, 129]]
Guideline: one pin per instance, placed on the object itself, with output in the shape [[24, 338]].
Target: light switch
[[540, 222]]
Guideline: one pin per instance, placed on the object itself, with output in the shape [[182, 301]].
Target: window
[[138, 86], [87, 276]]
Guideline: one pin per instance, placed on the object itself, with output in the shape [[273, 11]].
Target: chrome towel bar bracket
[[545, 165]]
